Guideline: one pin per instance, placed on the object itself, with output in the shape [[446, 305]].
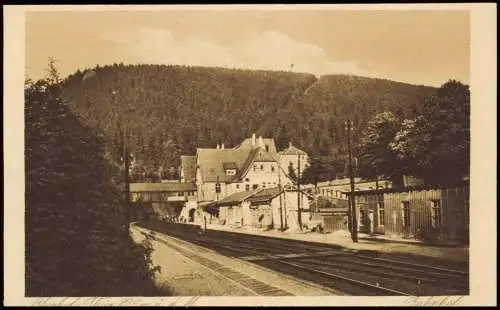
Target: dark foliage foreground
[[76, 243]]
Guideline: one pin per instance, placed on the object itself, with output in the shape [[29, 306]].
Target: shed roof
[[162, 187], [404, 189], [235, 198], [264, 195], [254, 196]]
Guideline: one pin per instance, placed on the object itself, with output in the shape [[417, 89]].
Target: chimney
[[218, 146], [290, 144], [253, 139], [222, 146], [261, 142]]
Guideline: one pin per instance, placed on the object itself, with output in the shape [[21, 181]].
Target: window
[[255, 186], [267, 148], [436, 213], [263, 184], [247, 179], [237, 186], [254, 167], [217, 187], [272, 168], [406, 213], [247, 187], [381, 214], [180, 194], [261, 167]]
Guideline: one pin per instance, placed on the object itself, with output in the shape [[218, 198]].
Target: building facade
[[254, 164], [293, 159], [270, 208], [418, 212]]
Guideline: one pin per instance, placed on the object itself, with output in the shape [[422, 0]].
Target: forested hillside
[[170, 110]]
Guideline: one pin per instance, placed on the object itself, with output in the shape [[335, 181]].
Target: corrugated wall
[[420, 226], [335, 222]]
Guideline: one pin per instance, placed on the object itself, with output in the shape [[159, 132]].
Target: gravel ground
[[187, 278]]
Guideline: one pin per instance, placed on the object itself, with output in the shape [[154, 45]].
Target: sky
[[413, 46]]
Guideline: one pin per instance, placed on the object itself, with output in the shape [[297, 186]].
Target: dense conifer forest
[[166, 111]]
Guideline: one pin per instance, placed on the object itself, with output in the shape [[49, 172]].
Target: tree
[[375, 156], [405, 145], [53, 76], [75, 240], [436, 145], [200, 107], [323, 168]]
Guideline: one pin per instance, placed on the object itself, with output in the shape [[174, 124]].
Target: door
[[371, 227], [191, 215]]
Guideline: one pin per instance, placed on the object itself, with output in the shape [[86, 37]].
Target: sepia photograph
[[183, 152]]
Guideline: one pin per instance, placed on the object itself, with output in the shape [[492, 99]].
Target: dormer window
[[230, 168], [267, 148]]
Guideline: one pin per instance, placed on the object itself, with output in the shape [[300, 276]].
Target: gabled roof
[[230, 165], [247, 144], [162, 187], [292, 150], [256, 155], [212, 161], [188, 166]]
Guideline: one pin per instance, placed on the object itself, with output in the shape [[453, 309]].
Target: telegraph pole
[[299, 214], [127, 184], [125, 154], [352, 199], [281, 203]]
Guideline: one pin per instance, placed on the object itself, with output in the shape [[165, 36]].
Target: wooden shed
[[420, 212]]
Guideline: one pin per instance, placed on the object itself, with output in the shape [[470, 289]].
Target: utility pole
[[352, 199], [281, 203], [299, 214], [125, 154], [127, 184]]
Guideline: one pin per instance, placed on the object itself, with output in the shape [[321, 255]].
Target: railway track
[[258, 287], [352, 273]]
